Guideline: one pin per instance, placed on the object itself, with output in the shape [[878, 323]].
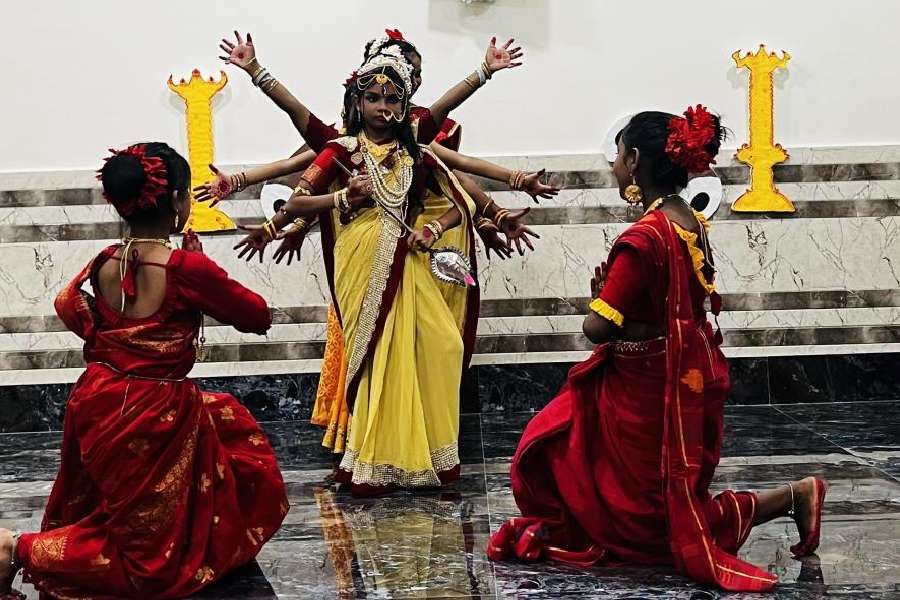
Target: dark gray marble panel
[[795, 379], [749, 380], [519, 387], [32, 407], [531, 307]]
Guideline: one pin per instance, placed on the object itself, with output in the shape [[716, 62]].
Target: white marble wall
[[753, 256]]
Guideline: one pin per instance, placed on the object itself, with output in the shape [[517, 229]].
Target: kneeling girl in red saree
[[617, 467], [162, 488]]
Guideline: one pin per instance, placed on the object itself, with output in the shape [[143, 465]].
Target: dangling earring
[[633, 193], [177, 223]]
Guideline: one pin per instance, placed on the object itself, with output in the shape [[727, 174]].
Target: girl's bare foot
[[809, 496]]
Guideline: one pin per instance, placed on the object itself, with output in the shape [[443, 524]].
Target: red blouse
[[162, 344]]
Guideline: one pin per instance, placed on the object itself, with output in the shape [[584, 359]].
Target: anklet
[[790, 511]]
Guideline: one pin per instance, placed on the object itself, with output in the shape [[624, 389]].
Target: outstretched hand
[[531, 185], [503, 57], [517, 232], [240, 54], [291, 242], [256, 241], [490, 237], [216, 189]]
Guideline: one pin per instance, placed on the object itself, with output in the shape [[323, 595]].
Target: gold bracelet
[[483, 223], [300, 224], [433, 228], [436, 228], [487, 206], [269, 85], [301, 191], [257, 70], [500, 215], [269, 229], [486, 69]]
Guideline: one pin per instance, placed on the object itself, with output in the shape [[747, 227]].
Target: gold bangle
[[486, 69], [269, 85], [301, 191], [269, 229], [435, 232], [256, 69], [500, 215], [300, 223], [436, 228], [482, 223]]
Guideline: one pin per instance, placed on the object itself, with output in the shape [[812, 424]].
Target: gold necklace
[[378, 151], [128, 241]]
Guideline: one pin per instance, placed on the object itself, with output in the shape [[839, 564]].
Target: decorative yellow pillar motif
[[761, 152], [197, 95]]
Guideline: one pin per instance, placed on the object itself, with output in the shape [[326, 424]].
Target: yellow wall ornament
[[761, 152], [197, 95]]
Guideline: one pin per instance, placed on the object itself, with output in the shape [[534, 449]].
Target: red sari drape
[[162, 488], [617, 467]]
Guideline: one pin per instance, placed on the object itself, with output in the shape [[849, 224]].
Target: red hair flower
[[689, 137], [351, 79], [394, 34], [155, 181]]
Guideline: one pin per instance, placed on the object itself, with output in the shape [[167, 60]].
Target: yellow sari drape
[[405, 422]]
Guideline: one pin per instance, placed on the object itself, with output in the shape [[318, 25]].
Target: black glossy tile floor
[[431, 545]]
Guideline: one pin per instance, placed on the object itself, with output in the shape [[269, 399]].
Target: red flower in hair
[[394, 34], [351, 79], [155, 181], [689, 137]]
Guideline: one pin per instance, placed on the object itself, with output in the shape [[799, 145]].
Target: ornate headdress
[[373, 70], [689, 137], [376, 44], [155, 181]]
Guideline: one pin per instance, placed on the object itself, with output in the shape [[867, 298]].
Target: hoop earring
[[633, 193]]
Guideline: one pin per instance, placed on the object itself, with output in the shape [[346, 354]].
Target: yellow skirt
[[405, 422]]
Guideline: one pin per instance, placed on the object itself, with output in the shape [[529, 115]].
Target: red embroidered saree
[[617, 467], [162, 488]]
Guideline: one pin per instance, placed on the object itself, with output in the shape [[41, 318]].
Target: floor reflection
[[411, 545]]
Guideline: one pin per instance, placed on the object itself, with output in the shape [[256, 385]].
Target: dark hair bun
[[123, 178]]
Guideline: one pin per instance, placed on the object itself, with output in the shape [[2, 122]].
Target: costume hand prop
[[291, 242], [421, 239], [491, 240], [256, 241], [531, 185], [239, 55], [517, 232], [190, 242], [599, 280], [216, 189], [359, 188], [501, 58]]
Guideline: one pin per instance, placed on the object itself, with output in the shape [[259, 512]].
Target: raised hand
[[216, 189], [240, 54], [517, 232], [291, 242], [598, 280], [256, 241], [190, 242], [531, 185], [490, 237], [503, 57]]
